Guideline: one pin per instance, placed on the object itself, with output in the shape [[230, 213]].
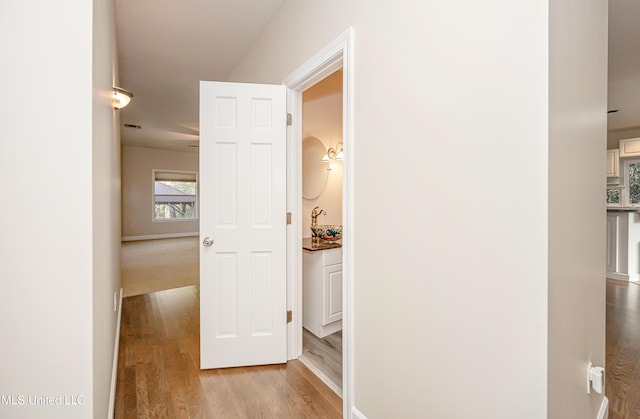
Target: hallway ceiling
[[165, 47]]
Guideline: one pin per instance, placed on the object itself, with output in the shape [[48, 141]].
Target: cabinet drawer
[[332, 257]]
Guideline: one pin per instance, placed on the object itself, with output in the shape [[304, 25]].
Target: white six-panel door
[[243, 212]]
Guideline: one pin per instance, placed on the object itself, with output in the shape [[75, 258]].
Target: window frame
[[154, 177], [624, 187]]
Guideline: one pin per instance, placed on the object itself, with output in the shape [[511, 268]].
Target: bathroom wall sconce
[[120, 97], [334, 153]]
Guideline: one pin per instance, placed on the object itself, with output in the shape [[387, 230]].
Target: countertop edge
[[308, 245], [623, 209]]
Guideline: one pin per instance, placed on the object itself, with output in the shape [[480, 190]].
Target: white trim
[[294, 238], [603, 413], [623, 276], [356, 414], [114, 367], [174, 220], [617, 276], [348, 368], [337, 54], [160, 236], [322, 376], [634, 277]]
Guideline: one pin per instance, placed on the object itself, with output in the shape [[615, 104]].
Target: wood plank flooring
[[622, 381], [325, 355], [155, 265], [158, 369], [159, 375]]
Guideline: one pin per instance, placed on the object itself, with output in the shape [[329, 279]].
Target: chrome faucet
[[314, 215]]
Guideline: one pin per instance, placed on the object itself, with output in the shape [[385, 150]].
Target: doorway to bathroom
[[331, 69], [322, 177]]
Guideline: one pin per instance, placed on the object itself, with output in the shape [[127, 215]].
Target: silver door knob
[[208, 241]]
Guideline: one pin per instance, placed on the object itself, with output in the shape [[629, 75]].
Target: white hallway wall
[[105, 210], [59, 258], [577, 143], [471, 280], [137, 190]]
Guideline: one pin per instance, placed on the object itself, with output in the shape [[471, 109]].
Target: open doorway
[[322, 199], [160, 223], [622, 259], [334, 57]]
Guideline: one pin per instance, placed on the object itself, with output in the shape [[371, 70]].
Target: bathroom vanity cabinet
[[322, 291]]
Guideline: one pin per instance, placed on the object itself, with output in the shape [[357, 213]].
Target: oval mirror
[[314, 170]]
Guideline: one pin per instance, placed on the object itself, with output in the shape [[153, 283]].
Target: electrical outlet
[[595, 379]]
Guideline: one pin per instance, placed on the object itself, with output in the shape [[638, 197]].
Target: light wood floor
[[325, 355], [154, 265], [159, 375], [622, 381]]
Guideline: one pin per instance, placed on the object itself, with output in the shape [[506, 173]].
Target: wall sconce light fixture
[[336, 153], [120, 97]]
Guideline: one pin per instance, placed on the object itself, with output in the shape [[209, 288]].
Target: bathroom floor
[[325, 355]]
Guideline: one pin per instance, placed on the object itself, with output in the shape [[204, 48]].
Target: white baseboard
[[356, 414], [604, 409], [159, 236], [114, 368], [603, 413], [618, 276], [634, 277]]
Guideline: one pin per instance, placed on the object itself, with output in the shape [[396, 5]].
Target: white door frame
[[338, 54]]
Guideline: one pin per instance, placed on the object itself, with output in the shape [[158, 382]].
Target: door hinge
[[289, 119], [288, 218], [289, 316]]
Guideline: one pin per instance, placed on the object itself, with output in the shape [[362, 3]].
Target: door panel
[[243, 209]]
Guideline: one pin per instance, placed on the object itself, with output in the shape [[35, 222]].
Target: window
[[613, 196], [632, 177], [628, 192], [175, 195]]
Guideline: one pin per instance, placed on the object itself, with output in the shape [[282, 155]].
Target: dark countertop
[[623, 209], [310, 244]]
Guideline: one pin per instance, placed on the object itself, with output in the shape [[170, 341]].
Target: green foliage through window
[[634, 183]]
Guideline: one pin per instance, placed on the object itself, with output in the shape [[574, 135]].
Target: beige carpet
[[155, 265]]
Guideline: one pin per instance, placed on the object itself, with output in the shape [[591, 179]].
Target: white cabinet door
[[629, 147], [322, 291], [613, 163], [332, 295]]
